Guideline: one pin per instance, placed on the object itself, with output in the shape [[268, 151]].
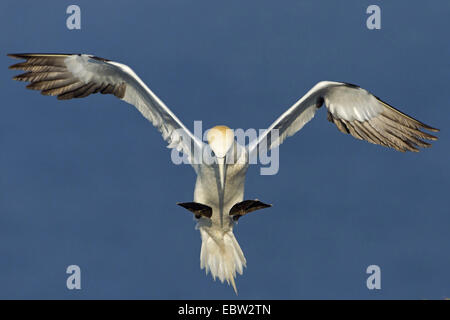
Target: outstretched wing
[[353, 110], [70, 76]]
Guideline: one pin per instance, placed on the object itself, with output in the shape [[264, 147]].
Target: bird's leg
[[198, 209], [246, 206]]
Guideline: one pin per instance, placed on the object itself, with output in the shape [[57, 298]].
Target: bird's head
[[220, 139]]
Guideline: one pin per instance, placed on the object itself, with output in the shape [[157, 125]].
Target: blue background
[[90, 182]]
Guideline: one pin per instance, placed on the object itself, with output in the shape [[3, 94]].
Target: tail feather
[[221, 255]]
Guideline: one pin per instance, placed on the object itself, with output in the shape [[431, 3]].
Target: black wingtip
[[15, 55], [20, 55], [431, 129], [30, 55], [420, 123]]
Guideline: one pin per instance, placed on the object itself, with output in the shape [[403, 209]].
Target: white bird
[[219, 188]]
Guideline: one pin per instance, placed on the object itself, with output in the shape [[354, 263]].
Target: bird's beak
[[222, 167]]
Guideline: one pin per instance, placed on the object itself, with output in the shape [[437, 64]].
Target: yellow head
[[220, 139]]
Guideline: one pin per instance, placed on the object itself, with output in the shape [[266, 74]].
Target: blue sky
[[90, 182]]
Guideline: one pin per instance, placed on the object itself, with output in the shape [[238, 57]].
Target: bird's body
[[218, 200], [220, 252], [208, 190]]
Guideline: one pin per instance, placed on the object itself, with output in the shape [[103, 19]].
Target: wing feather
[[354, 111], [69, 76]]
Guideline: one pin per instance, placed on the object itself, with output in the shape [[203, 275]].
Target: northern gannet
[[219, 189]]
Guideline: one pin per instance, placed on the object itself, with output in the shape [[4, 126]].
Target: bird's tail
[[221, 255]]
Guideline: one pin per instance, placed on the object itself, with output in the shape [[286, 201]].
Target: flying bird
[[219, 188]]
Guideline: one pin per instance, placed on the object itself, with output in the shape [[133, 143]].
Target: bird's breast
[[208, 188]]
